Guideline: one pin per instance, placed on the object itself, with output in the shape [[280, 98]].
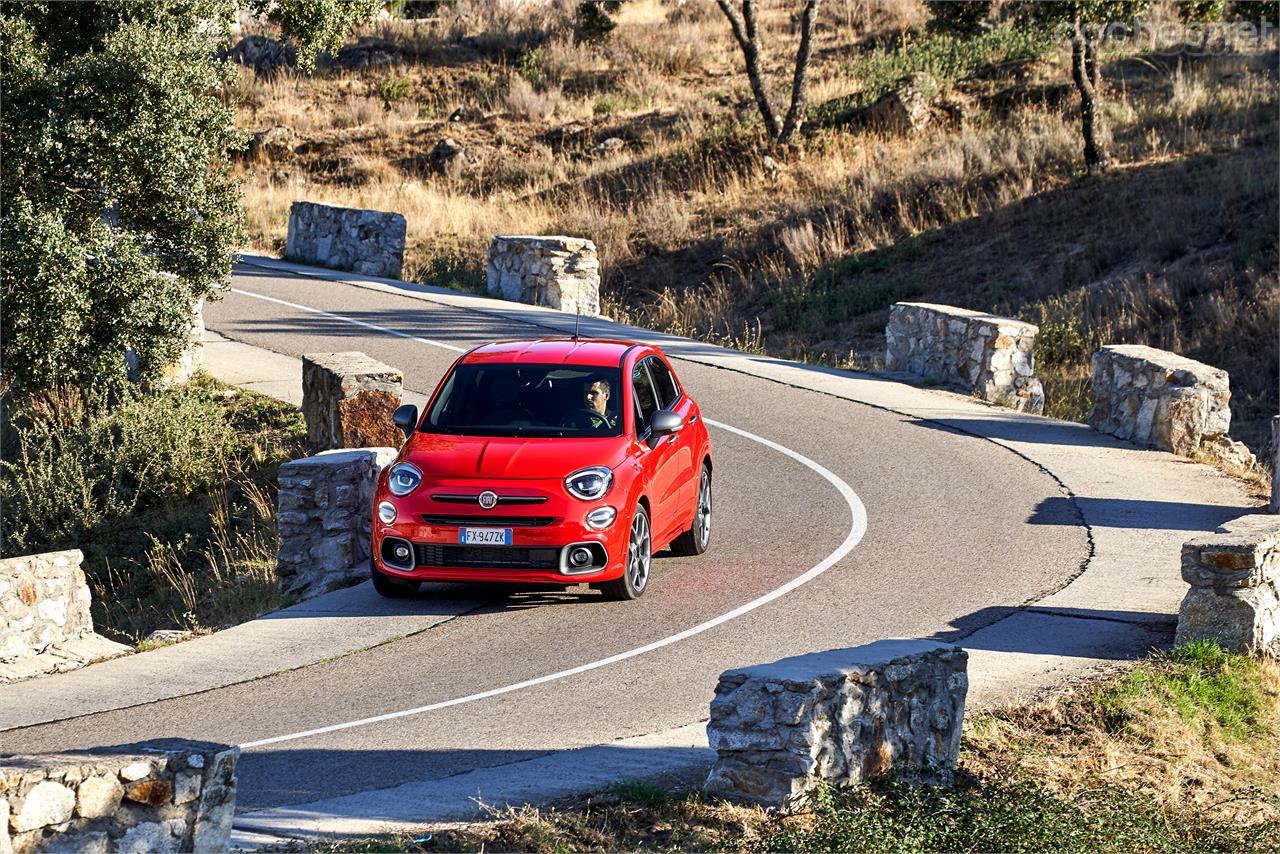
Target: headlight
[[404, 478], [589, 484], [386, 512], [601, 518]]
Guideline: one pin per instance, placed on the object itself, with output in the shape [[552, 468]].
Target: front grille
[[491, 521], [487, 557], [449, 498]]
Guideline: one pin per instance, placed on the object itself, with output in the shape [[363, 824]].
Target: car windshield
[[528, 400]]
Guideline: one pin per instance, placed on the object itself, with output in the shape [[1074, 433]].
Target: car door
[[659, 462], [671, 396]]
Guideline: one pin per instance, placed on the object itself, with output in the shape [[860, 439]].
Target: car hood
[[513, 458]]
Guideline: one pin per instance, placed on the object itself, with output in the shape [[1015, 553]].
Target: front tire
[[694, 541], [392, 588], [635, 571]]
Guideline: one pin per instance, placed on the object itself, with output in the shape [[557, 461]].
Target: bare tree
[[746, 33]]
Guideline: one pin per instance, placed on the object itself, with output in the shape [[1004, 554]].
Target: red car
[[547, 462]]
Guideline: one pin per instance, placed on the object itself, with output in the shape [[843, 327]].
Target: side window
[[668, 391], [646, 398]]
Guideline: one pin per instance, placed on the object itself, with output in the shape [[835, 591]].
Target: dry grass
[[985, 209]]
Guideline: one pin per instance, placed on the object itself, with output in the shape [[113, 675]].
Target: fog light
[[579, 557], [402, 553], [601, 518], [387, 512]]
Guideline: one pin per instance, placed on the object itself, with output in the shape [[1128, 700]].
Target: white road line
[[375, 327], [857, 528]]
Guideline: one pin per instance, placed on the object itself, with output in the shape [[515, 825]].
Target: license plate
[[484, 536]]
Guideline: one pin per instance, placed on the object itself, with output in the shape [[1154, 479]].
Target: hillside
[[649, 143]]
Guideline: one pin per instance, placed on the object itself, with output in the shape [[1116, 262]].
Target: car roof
[[592, 352]]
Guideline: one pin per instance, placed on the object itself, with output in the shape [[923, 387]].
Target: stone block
[[1165, 401], [45, 622], [1235, 586], [76, 801], [991, 357], [363, 241], [348, 400], [325, 541], [841, 717], [558, 272]]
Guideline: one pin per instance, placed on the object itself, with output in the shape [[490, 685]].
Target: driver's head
[[596, 394]]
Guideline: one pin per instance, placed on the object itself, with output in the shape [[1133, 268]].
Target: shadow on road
[[1134, 513]]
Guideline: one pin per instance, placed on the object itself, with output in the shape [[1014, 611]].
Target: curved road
[[954, 527]]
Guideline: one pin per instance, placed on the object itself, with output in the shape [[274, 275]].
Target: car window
[[508, 399], [664, 383], [646, 398]]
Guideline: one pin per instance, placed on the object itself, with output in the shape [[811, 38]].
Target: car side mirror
[[663, 423], [406, 417]]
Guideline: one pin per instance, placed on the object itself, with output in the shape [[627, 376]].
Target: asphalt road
[[953, 530]]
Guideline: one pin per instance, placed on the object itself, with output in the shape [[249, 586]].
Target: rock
[[150, 792], [186, 788], [99, 796], [274, 144], [166, 637], [135, 771], [459, 115], [369, 52], [368, 242], [324, 540], [1235, 586], [47, 803], [1229, 452], [840, 717], [265, 56], [151, 837], [992, 357], [560, 272], [448, 158], [348, 400], [904, 109], [771, 168], [612, 145], [1161, 400]]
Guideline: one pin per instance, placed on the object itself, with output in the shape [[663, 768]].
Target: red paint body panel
[[455, 467]]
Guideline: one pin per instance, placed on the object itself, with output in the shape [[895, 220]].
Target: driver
[[595, 396]]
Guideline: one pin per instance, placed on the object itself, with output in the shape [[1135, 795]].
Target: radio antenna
[[577, 319]]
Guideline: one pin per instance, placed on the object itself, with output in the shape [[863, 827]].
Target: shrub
[[525, 102], [394, 88], [80, 460]]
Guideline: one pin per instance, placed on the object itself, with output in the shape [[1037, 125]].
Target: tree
[[746, 33], [962, 18], [315, 26], [1085, 22], [119, 209]]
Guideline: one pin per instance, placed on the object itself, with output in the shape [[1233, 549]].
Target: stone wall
[[842, 717], [1165, 401], [369, 242], [168, 795], [1235, 586], [348, 400], [326, 518], [47, 627], [992, 357], [560, 272]]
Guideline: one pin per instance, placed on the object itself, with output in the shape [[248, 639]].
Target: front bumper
[[538, 554]]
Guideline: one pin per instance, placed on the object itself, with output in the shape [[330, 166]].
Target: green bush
[[394, 88], [80, 460]]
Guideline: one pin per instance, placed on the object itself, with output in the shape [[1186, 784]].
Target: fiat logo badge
[[488, 499]]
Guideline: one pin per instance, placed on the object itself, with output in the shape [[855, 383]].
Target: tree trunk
[[1084, 73], [795, 113], [744, 31]]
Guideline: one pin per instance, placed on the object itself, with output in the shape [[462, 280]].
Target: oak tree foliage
[[119, 211]]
